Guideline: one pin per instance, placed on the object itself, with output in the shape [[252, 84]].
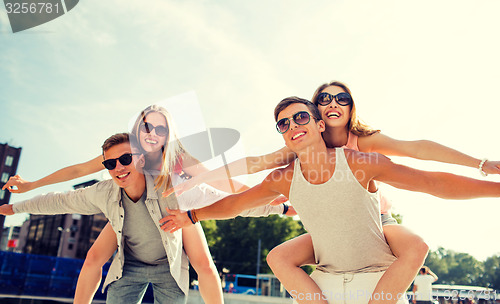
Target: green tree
[[398, 217], [435, 261], [491, 277], [455, 267], [234, 243]]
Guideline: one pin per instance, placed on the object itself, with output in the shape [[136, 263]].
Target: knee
[[421, 250], [204, 266], [275, 258], [416, 253]]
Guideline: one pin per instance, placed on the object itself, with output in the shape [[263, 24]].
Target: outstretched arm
[[204, 195], [197, 170], [83, 201], [62, 175], [440, 184], [227, 208], [423, 149], [243, 166]]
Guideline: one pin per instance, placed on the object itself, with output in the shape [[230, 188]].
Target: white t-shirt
[[424, 287]]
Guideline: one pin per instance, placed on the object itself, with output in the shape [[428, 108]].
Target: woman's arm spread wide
[[226, 208], [440, 184], [220, 178], [424, 150], [65, 174]]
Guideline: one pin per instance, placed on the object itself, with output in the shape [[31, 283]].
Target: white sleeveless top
[[343, 219]]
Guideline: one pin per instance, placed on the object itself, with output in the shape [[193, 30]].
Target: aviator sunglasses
[[301, 118], [342, 99], [125, 160], [148, 128]]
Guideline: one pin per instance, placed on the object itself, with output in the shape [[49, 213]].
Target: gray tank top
[[142, 238], [343, 219]]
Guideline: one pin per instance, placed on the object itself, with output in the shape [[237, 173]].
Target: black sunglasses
[[125, 160], [300, 118], [343, 99], [148, 128]]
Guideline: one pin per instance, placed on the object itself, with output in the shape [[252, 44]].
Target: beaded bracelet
[[481, 165]]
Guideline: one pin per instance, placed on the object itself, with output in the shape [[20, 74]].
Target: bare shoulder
[[373, 142], [279, 180]]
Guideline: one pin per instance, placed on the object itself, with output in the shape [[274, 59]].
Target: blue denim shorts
[[387, 219]]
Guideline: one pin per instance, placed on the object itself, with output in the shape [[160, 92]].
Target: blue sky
[[421, 70]]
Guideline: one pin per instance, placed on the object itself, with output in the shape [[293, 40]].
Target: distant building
[[64, 235], [9, 159], [10, 238], [90, 227]]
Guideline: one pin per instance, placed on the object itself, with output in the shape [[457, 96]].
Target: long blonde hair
[[355, 124], [172, 150]]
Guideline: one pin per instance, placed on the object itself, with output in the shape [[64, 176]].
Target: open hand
[[175, 221], [18, 182]]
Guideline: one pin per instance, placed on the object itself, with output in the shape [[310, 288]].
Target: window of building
[[70, 246], [9, 160], [5, 177], [2, 194]]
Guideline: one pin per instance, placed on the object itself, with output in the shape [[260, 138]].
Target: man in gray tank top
[[329, 189]]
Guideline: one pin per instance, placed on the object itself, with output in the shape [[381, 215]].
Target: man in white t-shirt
[[422, 286]]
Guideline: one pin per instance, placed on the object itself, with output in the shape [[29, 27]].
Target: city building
[[10, 238], [9, 159]]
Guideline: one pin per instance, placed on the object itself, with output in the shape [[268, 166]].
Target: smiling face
[[335, 115], [152, 142], [299, 137], [126, 177]]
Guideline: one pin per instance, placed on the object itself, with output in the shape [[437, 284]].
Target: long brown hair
[[172, 150], [355, 124]]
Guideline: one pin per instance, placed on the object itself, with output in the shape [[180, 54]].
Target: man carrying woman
[[334, 194]]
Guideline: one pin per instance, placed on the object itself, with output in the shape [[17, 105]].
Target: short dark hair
[[114, 140], [292, 100]]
